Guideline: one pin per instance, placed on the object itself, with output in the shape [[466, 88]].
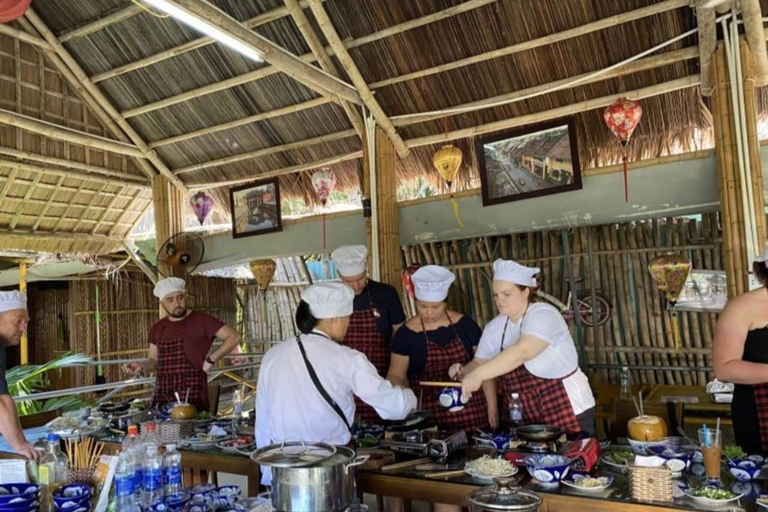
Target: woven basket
[[81, 476], [651, 484]]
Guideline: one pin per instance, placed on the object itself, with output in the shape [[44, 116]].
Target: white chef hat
[[513, 272], [12, 300], [329, 300], [169, 285], [350, 259], [432, 282], [762, 258]]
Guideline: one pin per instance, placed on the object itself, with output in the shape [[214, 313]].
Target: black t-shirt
[[387, 303], [414, 345], [3, 381]]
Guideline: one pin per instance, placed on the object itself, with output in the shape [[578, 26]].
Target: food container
[[503, 496], [310, 477]]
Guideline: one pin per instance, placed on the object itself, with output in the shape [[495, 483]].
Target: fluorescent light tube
[[206, 28]]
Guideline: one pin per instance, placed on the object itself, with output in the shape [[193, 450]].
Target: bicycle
[[588, 314]]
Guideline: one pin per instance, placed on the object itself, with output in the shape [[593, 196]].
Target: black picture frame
[[248, 208], [502, 160]]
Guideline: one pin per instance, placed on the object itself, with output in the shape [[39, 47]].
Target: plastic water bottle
[[151, 438], [132, 448], [624, 378], [153, 476], [172, 471], [125, 492], [52, 470], [515, 411], [237, 414]]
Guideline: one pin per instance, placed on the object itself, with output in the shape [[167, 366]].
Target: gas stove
[[425, 443]]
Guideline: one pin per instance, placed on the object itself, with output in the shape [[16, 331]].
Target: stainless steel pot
[[503, 497], [325, 485]]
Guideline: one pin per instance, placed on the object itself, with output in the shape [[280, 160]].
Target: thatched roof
[[164, 82]]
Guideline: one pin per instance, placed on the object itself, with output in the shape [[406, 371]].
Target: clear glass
[[712, 451]]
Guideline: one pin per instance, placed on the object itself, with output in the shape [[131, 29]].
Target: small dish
[[745, 470], [711, 502], [573, 480]]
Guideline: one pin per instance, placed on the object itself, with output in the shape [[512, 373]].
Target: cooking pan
[[539, 433]]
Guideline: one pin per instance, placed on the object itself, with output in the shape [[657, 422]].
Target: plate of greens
[[618, 458], [711, 496]]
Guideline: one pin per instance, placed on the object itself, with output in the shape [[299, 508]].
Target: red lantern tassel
[[626, 182]]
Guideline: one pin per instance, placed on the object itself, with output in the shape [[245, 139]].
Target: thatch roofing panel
[[61, 16]]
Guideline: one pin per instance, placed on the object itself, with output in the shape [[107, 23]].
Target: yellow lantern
[[263, 271], [669, 272], [447, 161]]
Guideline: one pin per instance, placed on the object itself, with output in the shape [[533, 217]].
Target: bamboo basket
[[651, 484]]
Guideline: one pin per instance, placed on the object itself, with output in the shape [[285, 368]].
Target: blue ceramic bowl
[[30, 508], [546, 468], [18, 499], [671, 448], [16, 490], [745, 470], [501, 441], [71, 492], [450, 399], [20, 507], [176, 501], [72, 505]]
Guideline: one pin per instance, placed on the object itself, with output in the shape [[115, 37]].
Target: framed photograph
[[255, 208], [529, 162], [703, 291]]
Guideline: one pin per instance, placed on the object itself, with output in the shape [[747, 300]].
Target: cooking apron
[[545, 401], [439, 359], [364, 335], [761, 402], [176, 374]]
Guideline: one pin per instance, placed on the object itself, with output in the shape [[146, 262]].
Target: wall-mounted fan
[[180, 255]]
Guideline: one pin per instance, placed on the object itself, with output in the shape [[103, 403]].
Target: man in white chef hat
[[307, 384], [13, 324], [180, 347], [377, 314]]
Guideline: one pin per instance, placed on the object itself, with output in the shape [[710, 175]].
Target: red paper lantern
[[12, 9], [622, 118]]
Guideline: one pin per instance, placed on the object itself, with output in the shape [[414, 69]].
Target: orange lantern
[[669, 272], [263, 271], [447, 161]]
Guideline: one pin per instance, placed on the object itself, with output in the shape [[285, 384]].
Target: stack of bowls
[[548, 469], [676, 449], [72, 498], [209, 498], [19, 498]]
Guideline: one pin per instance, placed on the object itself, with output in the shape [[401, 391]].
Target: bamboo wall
[[638, 332]]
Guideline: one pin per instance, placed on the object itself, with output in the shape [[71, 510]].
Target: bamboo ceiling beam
[[326, 26], [106, 212], [63, 204], [47, 206], [102, 100], [267, 151], [8, 184], [312, 77], [290, 109], [19, 211], [128, 209], [24, 37], [72, 164], [36, 217], [90, 203], [69, 237], [73, 174], [85, 96], [318, 50], [64, 216], [65, 188], [101, 23], [565, 35]]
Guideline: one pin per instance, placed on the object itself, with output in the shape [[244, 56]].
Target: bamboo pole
[[366, 95], [101, 23], [15, 33], [18, 234]]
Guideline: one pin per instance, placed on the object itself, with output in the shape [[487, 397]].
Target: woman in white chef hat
[[307, 385], [430, 342], [530, 347]]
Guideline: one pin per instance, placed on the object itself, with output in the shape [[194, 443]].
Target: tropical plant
[[26, 379]]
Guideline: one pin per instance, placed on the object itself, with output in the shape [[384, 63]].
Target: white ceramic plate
[[486, 478], [606, 459], [571, 480], [708, 501]]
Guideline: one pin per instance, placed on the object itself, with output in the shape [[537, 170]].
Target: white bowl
[[638, 447]]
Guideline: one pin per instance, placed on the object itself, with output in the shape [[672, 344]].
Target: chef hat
[[432, 282], [329, 300], [350, 259], [12, 300], [762, 258], [169, 285], [513, 272]]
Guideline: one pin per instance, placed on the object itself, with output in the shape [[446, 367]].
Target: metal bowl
[[539, 433]]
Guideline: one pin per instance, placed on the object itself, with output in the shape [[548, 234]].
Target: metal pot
[[323, 481], [539, 433], [503, 496]]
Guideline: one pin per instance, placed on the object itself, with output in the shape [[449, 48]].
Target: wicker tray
[[171, 432], [651, 484]]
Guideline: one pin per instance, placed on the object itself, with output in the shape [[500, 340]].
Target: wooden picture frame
[[532, 161], [255, 208]]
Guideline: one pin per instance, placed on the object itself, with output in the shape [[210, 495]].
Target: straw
[[637, 407], [641, 404], [706, 436]]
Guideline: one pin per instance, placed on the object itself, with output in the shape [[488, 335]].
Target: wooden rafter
[[47, 186], [42, 169], [87, 222], [8, 184], [71, 205], [318, 50], [48, 203], [30, 190], [326, 26], [70, 237], [101, 23], [101, 99], [128, 209], [110, 206]]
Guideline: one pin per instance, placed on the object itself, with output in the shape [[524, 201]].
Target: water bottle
[[237, 414], [132, 448], [125, 492], [172, 471], [53, 471], [153, 476], [624, 378], [151, 438], [515, 411]]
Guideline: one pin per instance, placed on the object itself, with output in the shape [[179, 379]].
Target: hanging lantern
[[669, 272], [202, 204], [324, 182], [12, 9], [447, 161], [622, 118], [406, 276], [263, 271]]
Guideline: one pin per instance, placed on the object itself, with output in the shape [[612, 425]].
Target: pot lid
[[293, 454], [503, 496]]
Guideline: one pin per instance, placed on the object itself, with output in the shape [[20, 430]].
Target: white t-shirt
[[558, 360]]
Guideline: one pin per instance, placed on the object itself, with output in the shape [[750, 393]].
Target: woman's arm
[[728, 347], [398, 370], [489, 390]]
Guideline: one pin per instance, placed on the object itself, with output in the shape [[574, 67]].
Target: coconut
[[646, 428], [184, 412]]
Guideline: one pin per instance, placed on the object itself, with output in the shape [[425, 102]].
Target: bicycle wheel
[[597, 315]]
